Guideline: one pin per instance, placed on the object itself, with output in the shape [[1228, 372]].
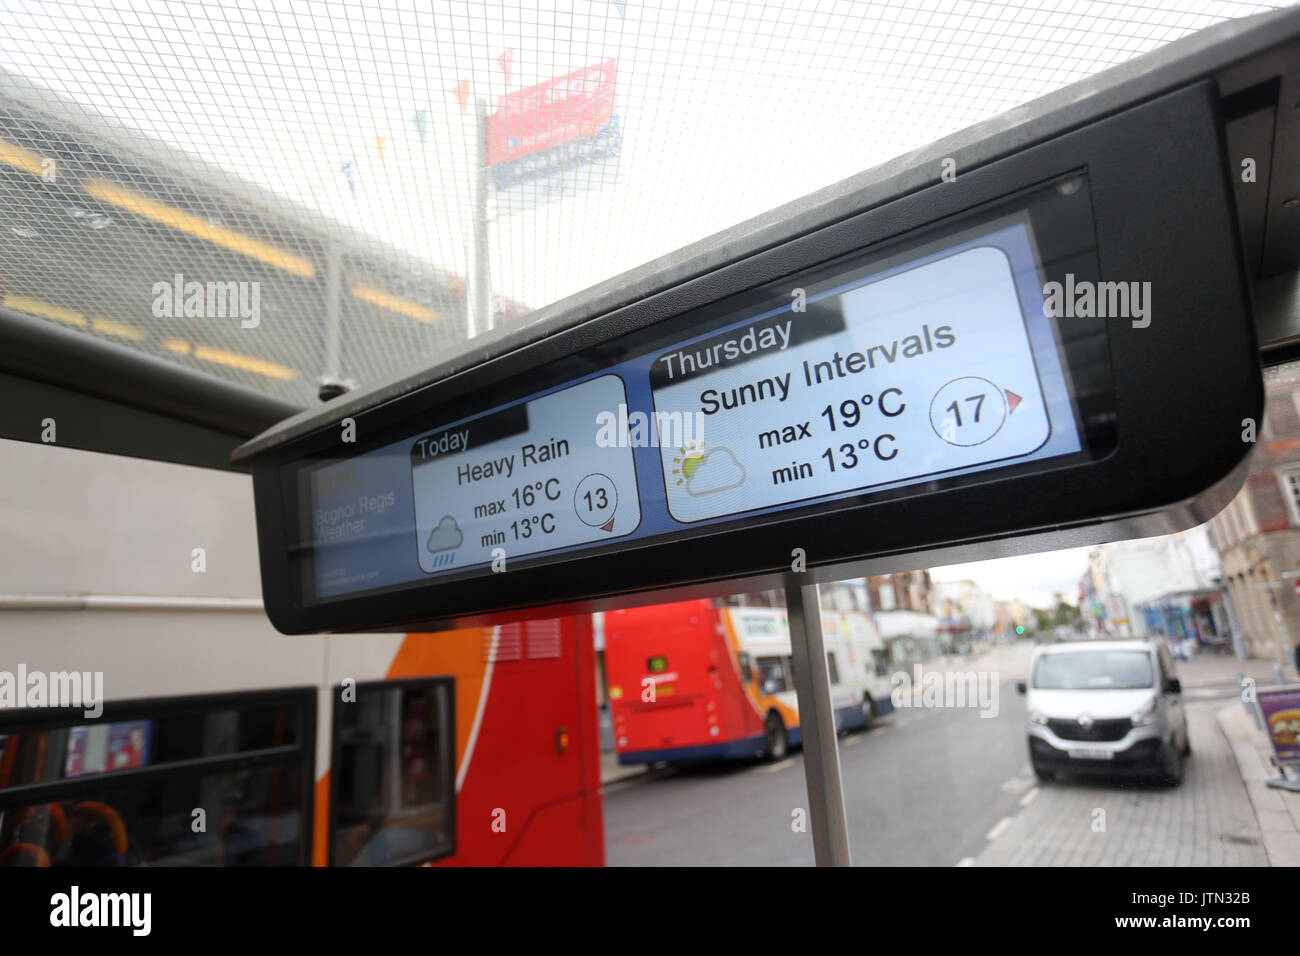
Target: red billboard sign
[[562, 110]]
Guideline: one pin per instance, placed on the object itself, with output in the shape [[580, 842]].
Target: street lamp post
[[479, 304]]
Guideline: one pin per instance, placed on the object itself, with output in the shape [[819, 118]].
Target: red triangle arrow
[[608, 525], [1012, 400]]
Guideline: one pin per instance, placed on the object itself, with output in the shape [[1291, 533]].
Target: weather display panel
[[522, 480], [888, 385], [910, 368]]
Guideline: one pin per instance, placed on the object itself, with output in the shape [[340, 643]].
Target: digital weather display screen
[[914, 366], [924, 371]]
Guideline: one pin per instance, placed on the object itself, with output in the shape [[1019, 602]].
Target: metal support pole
[[1238, 636], [821, 758], [480, 299], [1283, 637], [333, 313]]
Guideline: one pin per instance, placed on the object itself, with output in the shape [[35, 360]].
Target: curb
[[1230, 680], [623, 773], [1212, 682], [1277, 811]]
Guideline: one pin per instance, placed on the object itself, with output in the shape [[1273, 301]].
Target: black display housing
[[1162, 212]]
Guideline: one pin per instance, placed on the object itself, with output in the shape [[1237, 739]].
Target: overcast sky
[[1032, 578]]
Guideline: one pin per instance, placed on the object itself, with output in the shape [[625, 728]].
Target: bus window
[[832, 667], [771, 675], [124, 790], [880, 657], [746, 667], [393, 802]]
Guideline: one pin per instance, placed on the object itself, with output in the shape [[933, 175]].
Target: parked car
[[1105, 706]]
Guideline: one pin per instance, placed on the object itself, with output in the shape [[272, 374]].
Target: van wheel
[[868, 712], [778, 742], [1171, 767], [1187, 744]]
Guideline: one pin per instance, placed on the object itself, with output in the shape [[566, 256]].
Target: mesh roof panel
[[280, 193]]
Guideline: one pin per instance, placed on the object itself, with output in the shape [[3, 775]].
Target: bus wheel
[[868, 712], [778, 742]]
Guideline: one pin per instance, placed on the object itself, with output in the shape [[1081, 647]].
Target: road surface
[[945, 787]]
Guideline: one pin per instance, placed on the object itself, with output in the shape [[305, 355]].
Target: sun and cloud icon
[[688, 459], [706, 472]]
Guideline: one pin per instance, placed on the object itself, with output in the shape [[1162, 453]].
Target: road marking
[[966, 861], [922, 715], [877, 731], [773, 768], [999, 828], [1029, 797], [1017, 785], [850, 741]]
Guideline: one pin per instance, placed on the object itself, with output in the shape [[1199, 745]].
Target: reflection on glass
[[1094, 669], [117, 798], [252, 818], [393, 770]]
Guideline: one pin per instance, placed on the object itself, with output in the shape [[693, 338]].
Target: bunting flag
[[420, 120], [381, 142], [462, 94], [619, 6], [349, 170], [506, 62]]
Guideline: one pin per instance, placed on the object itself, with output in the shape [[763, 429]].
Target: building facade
[[1258, 534], [966, 612], [903, 613], [1169, 585]]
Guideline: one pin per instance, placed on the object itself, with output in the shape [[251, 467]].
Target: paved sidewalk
[[1278, 811], [1224, 814], [1208, 821], [1209, 669]]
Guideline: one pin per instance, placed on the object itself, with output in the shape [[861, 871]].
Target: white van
[[1105, 706]]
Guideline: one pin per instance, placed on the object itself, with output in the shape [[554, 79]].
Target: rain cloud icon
[[719, 471], [445, 537]]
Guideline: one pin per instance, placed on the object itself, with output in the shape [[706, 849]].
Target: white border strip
[[124, 602], [478, 711]]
